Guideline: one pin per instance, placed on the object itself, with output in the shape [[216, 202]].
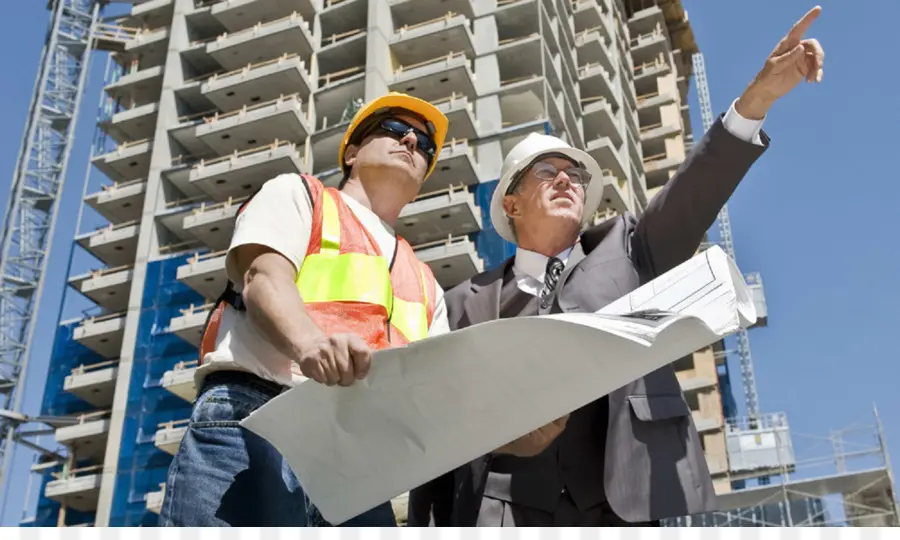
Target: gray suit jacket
[[654, 463]]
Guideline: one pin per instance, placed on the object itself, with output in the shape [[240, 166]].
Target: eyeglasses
[[399, 129], [546, 171]]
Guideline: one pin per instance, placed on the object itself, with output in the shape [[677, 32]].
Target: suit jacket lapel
[[484, 304]]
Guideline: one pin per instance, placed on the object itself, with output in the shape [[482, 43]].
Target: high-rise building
[[207, 99]]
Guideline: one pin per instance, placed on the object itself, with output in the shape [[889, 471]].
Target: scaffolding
[[842, 479]]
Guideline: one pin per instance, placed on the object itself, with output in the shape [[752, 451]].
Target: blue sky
[[817, 215]]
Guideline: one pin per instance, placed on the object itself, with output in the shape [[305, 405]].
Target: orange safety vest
[[347, 285]]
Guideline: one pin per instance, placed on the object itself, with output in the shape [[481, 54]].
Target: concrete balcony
[[646, 72], [452, 261], [119, 202], [107, 287], [461, 114], [705, 424], [204, 274], [718, 464], [658, 132], [78, 490], [436, 78], [658, 168], [594, 82], [344, 48], [169, 434], [149, 47], [646, 47], [236, 15], [139, 87], [616, 193], [115, 245], [241, 174], [87, 437], [213, 224], [438, 215], [599, 120], [189, 325], [646, 21], [94, 383], [325, 144], [607, 155], [593, 47], [173, 216], [456, 165], [283, 119], [590, 14], [152, 13], [414, 44], [261, 42], [129, 161], [102, 334], [412, 12], [135, 124], [259, 83], [691, 382], [154, 499], [180, 381]]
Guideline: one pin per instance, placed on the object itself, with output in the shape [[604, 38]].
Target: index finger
[[801, 26]]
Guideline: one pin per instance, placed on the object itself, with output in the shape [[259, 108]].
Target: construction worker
[[318, 279]]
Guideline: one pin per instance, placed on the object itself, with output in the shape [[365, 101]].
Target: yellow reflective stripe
[[424, 282], [351, 277], [411, 318], [331, 225]]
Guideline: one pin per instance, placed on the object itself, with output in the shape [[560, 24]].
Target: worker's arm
[[267, 250]]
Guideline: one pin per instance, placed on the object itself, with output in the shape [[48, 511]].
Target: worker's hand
[[338, 359], [793, 60], [532, 444]]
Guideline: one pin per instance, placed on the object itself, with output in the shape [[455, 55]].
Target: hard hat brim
[[431, 114]]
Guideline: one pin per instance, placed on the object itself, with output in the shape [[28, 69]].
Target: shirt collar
[[534, 264]]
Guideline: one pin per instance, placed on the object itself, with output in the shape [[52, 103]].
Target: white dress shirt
[[529, 267]]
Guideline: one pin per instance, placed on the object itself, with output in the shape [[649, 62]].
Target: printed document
[[436, 404]]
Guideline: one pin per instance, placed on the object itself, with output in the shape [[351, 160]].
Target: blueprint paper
[[436, 404]]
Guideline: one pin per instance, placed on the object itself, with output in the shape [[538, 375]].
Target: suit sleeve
[[672, 227]]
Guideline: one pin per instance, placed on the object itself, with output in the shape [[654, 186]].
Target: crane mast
[[33, 205], [748, 379]]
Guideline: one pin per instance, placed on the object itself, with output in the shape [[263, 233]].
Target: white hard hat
[[524, 154]]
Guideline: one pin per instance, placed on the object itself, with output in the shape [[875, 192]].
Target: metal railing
[[82, 369], [447, 58], [408, 27]]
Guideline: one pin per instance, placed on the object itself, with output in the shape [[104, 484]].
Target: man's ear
[[350, 155], [511, 206]]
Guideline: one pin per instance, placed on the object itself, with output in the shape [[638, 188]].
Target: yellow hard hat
[[434, 120]]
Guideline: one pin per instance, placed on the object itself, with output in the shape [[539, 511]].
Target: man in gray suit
[[634, 456]]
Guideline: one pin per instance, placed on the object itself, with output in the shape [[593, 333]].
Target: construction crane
[[748, 378], [33, 205]]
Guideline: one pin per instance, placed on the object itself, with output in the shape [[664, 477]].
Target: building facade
[[207, 99]]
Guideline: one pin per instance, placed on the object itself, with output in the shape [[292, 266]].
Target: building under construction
[[204, 100]]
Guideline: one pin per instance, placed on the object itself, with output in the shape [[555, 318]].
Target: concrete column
[[147, 248], [379, 60]]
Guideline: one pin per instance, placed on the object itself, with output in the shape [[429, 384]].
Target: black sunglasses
[[399, 129]]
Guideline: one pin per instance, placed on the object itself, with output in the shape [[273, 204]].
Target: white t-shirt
[[280, 217]]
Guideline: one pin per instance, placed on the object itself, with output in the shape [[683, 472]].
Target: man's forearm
[[276, 309]]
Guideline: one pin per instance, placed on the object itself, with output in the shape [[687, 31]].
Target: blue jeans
[[224, 475]]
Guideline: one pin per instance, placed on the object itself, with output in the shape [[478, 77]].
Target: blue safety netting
[[67, 354], [142, 467], [490, 246]]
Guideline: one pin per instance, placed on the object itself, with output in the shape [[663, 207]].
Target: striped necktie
[[551, 276]]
